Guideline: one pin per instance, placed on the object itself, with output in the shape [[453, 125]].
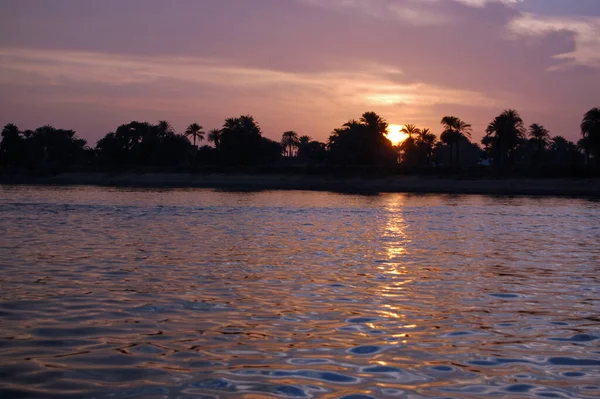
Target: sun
[[395, 134]]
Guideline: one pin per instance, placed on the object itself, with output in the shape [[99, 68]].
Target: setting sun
[[395, 134]]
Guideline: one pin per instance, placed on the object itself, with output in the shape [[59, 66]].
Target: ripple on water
[[505, 295], [129, 293], [366, 350], [302, 361], [362, 320], [577, 338], [318, 375], [570, 361]]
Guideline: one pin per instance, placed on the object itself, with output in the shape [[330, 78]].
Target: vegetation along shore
[[361, 155]]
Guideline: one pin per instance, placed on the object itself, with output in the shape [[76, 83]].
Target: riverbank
[[408, 184]]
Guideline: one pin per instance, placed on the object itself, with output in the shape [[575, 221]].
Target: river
[[196, 293]]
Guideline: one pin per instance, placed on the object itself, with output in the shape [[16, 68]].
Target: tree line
[[508, 145]]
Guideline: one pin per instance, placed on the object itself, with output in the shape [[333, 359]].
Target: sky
[[302, 65]]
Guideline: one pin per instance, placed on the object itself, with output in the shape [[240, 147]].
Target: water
[[117, 293]]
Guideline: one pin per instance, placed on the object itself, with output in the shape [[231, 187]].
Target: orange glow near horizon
[[395, 134]]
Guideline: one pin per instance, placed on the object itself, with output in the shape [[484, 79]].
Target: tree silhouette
[[164, 128], [310, 150], [583, 145], [503, 136], [409, 151], [357, 142], [289, 142], [455, 131], [563, 152], [43, 148], [362, 142], [241, 143], [411, 130], [303, 144], [11, 147], [426, 142], [302, 140], [559, 143], [141, 143], [214, 136], [590, 130], [375, 124], [540, 136], [195, 131]]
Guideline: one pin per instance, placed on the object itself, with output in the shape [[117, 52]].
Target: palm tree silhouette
[[289, 141], [590, 130], [411, 130], [540, 136], [214, 136], [504, 134], [362, 142], [559, 143], [375, 123], [583, 145], [195, 130], [303, 140], [455, 130], [164, 128], [426, 141]]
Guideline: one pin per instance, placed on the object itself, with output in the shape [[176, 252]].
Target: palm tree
[[362, 142], [583, 145], [165, 128], [289, 141], [231, 124], [409, 151], [455, 130], [10, 145], [302, 140], [214, 136], [426, 141], [590, 130], [561, 144], [539, 135], [411, 130], [304, 143], [375, 123], [241, 142], [249, 125], [503, 135], [195, 130]]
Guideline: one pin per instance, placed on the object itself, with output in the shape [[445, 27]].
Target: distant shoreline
[[588, 187]]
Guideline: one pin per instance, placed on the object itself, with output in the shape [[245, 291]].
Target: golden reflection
[[395, 241], [394, 234], [392, 314]]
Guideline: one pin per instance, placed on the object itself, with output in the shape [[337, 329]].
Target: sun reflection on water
[[394, 234]]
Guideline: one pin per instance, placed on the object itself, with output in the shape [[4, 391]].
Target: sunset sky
[[303, 65]]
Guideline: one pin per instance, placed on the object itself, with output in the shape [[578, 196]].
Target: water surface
[[123, 293]]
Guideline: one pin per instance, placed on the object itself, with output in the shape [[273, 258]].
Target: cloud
[[483, 3], [366, 83], [411, 11], [585, 32], [414, 12]]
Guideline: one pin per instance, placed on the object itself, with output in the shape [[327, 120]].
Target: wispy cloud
[[585, 32], [408, 11], [483, 3], [365, 83], [414, 12]]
